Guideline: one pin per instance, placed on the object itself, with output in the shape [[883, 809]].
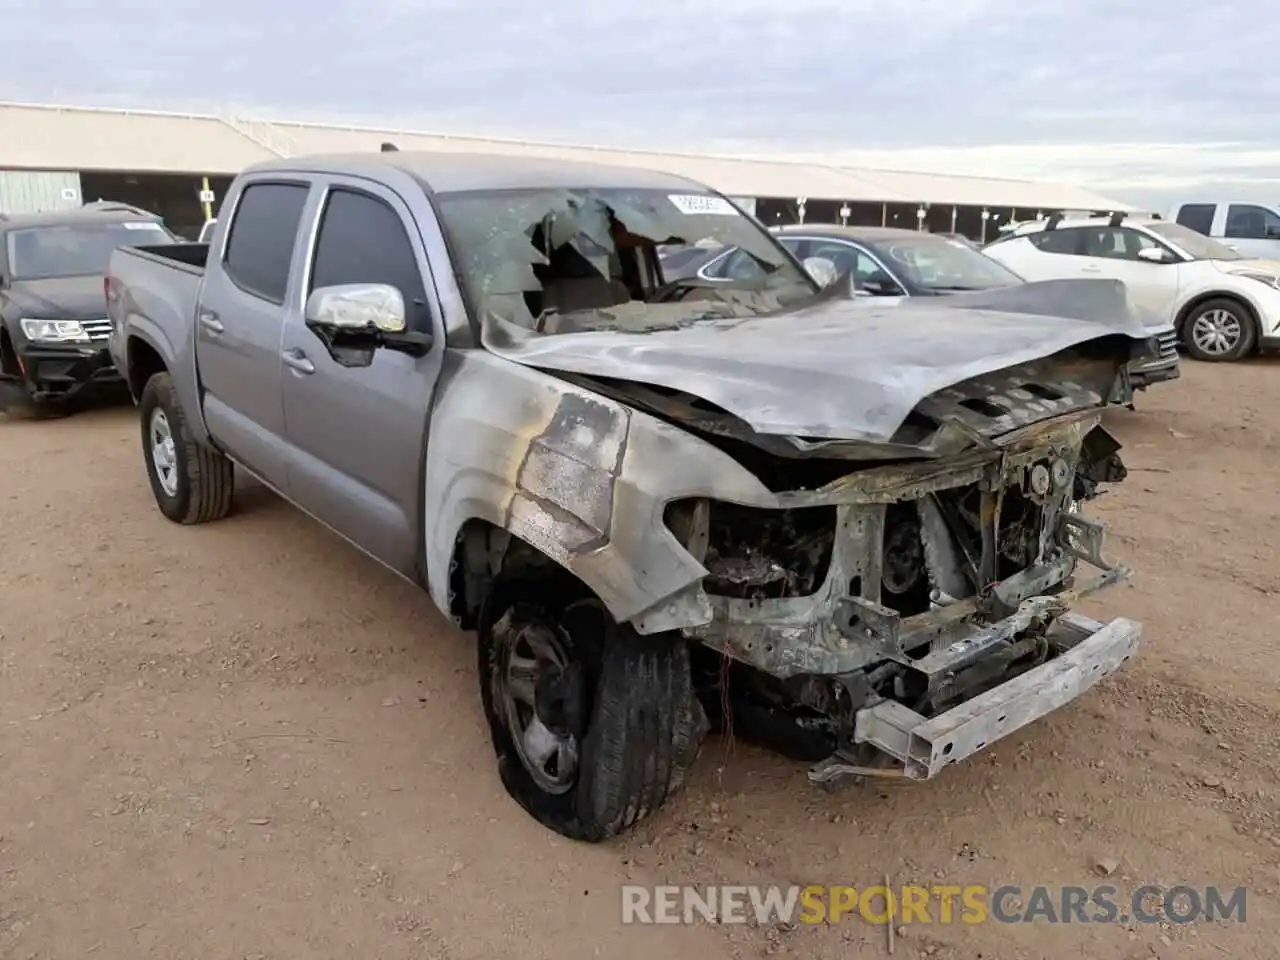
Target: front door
[[1113, 252], [357, 434], [239, 323]]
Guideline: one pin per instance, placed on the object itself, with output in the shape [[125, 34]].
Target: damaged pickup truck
[[665, 506]]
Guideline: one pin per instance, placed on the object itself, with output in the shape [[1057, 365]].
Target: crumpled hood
[[840, 370], [61, 298]]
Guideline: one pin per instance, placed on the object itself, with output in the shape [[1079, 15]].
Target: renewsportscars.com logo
[[937, 904]]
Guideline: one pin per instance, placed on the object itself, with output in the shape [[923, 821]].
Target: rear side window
[[260, 247], [1197, 216], [1057, 241], [363, 240]]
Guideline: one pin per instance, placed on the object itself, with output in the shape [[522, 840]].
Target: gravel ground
[[248, 740]]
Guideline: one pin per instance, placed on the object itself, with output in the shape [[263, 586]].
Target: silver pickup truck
[[663, 505]]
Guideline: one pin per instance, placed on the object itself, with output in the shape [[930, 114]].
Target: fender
[[179, 359], [580, 477]]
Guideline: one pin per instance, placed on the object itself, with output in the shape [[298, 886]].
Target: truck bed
[[189, 256], [159, 287]]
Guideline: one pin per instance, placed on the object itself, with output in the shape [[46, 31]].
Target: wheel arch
[[143, 361], [1189, 308], [483, 552]]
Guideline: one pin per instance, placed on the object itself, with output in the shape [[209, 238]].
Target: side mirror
[[822, 270], [1272, 232], [363, 314], [1152, 255]]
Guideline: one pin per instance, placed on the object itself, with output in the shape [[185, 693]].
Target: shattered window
[[564, 260]]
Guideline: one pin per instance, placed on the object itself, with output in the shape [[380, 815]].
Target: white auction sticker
[[701, 203]]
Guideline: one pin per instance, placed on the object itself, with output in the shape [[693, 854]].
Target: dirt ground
[[246, 740]]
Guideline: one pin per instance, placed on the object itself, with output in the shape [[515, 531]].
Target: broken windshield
[[567, 260]]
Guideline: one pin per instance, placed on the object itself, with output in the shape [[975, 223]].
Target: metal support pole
[[206, 198]]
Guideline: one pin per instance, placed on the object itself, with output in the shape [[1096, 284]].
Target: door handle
[[209, 320], [1091, 269], [297, 361]]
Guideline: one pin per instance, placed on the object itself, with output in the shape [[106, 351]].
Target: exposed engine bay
[[896, 593]]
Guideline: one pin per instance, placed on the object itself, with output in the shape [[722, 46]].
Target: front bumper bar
[[924, 746], [51, 372]]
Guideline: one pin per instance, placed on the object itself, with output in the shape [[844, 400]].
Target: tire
[[1237, 333], [622, 703], [195, 483]]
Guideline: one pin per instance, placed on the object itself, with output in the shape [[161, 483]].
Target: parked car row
[[655, 498], [1223, 304], [888, 264]]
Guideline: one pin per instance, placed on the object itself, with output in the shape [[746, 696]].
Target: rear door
[[1197, 217], [1044, 255], [358, 433], [240, 320]]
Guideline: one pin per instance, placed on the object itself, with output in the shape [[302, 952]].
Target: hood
[[1270, 267], [59, 298], [836, 369]]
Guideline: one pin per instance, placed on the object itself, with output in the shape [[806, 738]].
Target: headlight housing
[[54, 331]]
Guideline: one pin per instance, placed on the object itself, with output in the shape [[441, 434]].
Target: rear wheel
[[192, 483], [594, 725], [1220, 329]]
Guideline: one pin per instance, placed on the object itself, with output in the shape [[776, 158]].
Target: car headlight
[[54, 331], [1270, 281]]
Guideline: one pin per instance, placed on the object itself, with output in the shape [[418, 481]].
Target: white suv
[[1223, 305]]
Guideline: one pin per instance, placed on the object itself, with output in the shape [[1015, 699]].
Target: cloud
[[1145, 95]]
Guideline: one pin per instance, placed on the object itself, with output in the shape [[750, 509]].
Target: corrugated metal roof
[[44, 137]]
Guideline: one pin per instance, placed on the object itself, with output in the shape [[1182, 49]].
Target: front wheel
[[1219, 330], [192, 483], [593, 724]]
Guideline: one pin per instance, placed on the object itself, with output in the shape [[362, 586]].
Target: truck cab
[[1249, 227]]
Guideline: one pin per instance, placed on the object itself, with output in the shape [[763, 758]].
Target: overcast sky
[[1151, 98]]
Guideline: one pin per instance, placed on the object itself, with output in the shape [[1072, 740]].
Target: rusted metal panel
[[35, 191]]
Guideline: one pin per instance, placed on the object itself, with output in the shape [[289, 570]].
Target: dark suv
[[53, 311]]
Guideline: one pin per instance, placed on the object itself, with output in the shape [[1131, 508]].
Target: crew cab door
[[358, 433], [1251, 228], [240, 319]]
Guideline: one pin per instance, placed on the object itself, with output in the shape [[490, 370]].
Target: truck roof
[[442, 172], [852, 232]]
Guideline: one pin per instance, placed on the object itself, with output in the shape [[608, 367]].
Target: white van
[[1251, 228]]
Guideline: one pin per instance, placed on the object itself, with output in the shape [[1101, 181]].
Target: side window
[[861, 266], [260, 247], [738, 265], [363, 240], [1197, 216], [1116, 243], [1246, 221], [795, 246], [1057, 241]]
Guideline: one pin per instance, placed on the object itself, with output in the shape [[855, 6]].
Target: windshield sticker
[[695, 204], [138, 225]]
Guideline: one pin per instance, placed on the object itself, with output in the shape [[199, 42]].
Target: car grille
[[97, 329], [1168, 345]]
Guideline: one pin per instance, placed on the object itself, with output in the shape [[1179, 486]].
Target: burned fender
[[580, 477]]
